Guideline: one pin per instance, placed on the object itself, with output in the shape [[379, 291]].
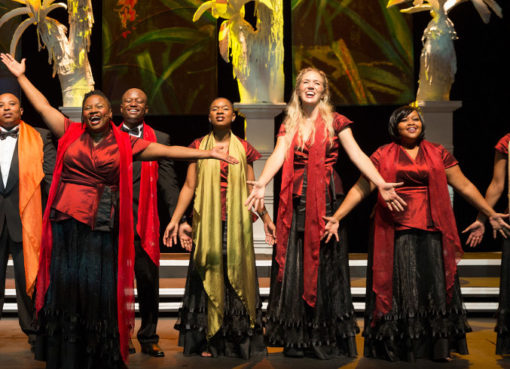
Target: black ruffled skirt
[[503, 314], [328, 329], [77, 327], [235, 338], [423, 322]]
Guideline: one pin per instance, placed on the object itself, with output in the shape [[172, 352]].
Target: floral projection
[[155, 45]]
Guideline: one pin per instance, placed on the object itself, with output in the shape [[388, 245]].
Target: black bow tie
[[5, 134], [132, 131]]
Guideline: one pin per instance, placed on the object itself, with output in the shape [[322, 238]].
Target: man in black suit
[[27, 158], [145, 210]]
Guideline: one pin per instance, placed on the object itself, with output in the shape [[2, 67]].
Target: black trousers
[[147, 285], [25, 303]]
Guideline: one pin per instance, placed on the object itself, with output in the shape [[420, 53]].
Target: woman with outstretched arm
[[85, 299], [413, 301]]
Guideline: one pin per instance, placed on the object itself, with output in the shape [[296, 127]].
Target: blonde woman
[[310, 308]]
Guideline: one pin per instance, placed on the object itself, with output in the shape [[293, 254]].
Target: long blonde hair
[[295, 115]]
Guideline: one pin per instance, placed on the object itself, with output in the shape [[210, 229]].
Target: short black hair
[[96, 93], [397, 116]]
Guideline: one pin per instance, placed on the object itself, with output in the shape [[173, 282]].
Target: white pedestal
[[260, 133], [72, 112], [438, 118]]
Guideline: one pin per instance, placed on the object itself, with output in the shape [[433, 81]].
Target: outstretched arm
[[465, 188], [53, 118], [156, 151], [273, 165], [361, 189], [492, 195], [185, 198], [365, 165]]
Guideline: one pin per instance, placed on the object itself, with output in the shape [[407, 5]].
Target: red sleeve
[[376, 158], [67, 123], [251, 153], [340, 122], [138, 144], [502, 145], [448, 159], [196, 144], [281, 131]]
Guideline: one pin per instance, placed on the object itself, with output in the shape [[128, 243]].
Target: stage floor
[[15, 353]]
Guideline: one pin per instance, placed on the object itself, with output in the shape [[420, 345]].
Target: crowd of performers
[[81, 223]]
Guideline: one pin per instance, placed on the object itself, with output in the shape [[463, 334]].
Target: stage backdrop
[[155, 46], [365, 49]]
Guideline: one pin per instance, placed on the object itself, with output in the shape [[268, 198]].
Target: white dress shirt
[[7, 147]]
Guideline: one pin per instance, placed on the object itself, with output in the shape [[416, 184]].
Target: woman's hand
[[331, 229], [256, 198], [170, 236], [499, 225], [270, 231], [219, 153], [476, 231], [15, 67], [393, 200], [185, 232]]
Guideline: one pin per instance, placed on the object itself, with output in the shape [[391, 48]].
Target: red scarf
[[147, 226], [315, 210], [125, 272], [384, 232]]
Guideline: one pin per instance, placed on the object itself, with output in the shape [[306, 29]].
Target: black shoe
[[292, 352], [132, 349], [152, 349]]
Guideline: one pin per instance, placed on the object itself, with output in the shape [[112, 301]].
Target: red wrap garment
[[428, 208], [318, 159], [81, 172], [147, 225]]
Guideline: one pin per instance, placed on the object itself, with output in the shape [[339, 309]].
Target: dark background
[[482, 82]]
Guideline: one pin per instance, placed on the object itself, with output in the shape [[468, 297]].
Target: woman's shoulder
[[340, 121], [502, 145]]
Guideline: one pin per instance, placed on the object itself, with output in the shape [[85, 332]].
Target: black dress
[[328, 329], [235, 338]]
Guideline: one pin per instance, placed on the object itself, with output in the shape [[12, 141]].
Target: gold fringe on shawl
[[207, 234], [30, 156]]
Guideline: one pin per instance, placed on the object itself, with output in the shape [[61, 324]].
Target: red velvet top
[[414, 191], [502, 145], [251, 155], [301, 156], [86, 170]]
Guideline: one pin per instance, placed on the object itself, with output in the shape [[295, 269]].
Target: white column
[[72, 112], [260, 133], [438, 118]]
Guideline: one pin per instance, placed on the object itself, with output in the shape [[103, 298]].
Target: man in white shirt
[[27, 157]]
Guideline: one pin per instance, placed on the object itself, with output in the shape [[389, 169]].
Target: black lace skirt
[[328, 329], [423, 322], [235, 338], [503, 314], [77, 327]]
